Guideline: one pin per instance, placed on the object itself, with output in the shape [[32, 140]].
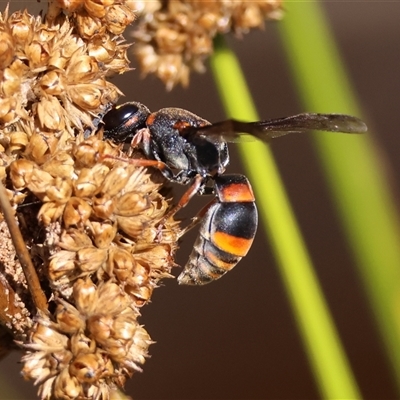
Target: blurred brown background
[[236, 338]]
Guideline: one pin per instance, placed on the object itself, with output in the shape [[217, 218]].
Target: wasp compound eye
[[122, 122]]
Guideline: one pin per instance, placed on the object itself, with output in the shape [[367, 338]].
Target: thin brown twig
[[32, 279]]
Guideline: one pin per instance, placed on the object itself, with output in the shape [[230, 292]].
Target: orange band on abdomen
[[236, 192], [231, 244]]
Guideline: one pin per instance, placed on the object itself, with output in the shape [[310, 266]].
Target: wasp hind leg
[[183, 201], [197, 218]]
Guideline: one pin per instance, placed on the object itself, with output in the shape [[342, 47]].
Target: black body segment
[[120, 122]]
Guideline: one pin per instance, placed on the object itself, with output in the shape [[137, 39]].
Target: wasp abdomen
[[207, 263], [226, 232]]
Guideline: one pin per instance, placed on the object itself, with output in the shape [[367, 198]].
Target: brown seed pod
[[21, 26], [62, 264], [103, 233], [131, 203], [120, 264], [89, 368], [66, 386], [118, 18], [50, 213], [18, 141], [89, 180], [86, 96], [70, 5], [97, 8], [85, 295], [89, 26], [68, 318], [40, 182], [60, 192], [51, 114], [90, 259], [61, 165], [7, 111], [104, 207], [21, 172], [52, 83], [76, 212], [11, 82], [7, 47], [74, 240]]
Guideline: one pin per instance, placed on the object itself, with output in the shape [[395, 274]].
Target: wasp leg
[[198, 217], [183, 201], [143, 162]]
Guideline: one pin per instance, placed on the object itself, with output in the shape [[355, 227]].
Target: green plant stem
[[326, 355], [353, 167]]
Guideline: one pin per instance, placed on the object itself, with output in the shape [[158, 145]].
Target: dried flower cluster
[[101, 260], [51, 73], [89, 220], [96, 17], [175, 36], [91, 347]]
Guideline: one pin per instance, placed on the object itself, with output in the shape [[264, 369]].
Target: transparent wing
[[233, 130]]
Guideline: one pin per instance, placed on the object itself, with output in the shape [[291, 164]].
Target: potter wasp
[[189, 150]]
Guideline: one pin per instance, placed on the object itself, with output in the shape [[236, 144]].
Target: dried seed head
[[21, 26], [103, 265], [65, 362], [175, 36], [89, 219], [7, 47], [48, 70], [91, 348], [95, 17]]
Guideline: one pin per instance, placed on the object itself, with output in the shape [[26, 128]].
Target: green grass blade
[[327, 357], [352, 166]]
